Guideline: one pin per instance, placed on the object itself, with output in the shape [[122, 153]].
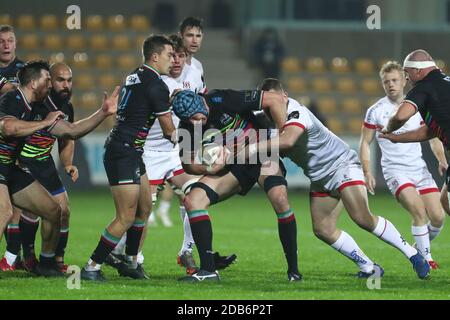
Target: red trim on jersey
[[370, 126], [156, 182], [428, 190], [178, 172], [351, 183], [403, 186], [319, 194], [294, 124]]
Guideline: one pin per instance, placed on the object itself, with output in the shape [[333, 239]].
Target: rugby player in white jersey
[[404, 169], [335, 173]]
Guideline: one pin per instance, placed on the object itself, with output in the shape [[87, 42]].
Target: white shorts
[[332, 185], [422, 180], [161, 165]]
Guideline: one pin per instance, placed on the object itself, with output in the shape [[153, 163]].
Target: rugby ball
[[210, 153]]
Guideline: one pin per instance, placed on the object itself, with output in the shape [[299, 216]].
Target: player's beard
[[62, 96]]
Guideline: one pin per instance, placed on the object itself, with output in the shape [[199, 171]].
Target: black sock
[[134, 235], [62, 242], [47, 260], [287, 230], [13, 239], [28, 230], [106, 244], [202, 234]]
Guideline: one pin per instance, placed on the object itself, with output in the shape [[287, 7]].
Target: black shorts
[[123, 164], [447, 177], [45, 173], [15, 178]]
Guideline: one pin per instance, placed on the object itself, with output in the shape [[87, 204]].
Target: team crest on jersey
[[217, 99], [225, 119], [250, 96], [132, 79], [294, 115], [186, 85]]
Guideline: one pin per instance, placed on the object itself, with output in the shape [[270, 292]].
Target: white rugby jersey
[[190, 79], [197, 64], [395, 156], [318, 151]]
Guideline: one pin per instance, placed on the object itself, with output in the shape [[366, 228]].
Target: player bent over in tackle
[[335, 173], [230, 114]]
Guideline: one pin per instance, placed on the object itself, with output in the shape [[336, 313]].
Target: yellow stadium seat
[[84, 81], [121, 42], [335, 125], [29, 41], [139, 23], [354, 126], [26, 22], [99, 42], [90, 100], [116, 23], [304, 100], [326, 105], [127, 62], [315, 65], [321, 85], [140, 40], [103, 61], [34, 56], [80, 60], [364, 66], [371, 101], [346, 85], [6, 19], [296, 85], [57, 57], [290, 65], [340, 65], [94, 23], [108, 81], [352, 105], [76, 42], [53, 42], [371, 86], [49, 22], [382, 62]]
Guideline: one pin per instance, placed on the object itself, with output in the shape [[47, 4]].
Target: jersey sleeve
[[370, 120], [417, 96], [9, 106], [298, 117], [159, 99], [3, 81], [237, 102]]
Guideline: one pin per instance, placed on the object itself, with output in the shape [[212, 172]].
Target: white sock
[[10, 258], [140, 258], [90, 267], [188, 240], [386, 231], [163, 208], [120, 246], [420, 234], [434, 231], [132, 261], [152, 218], [348, 247]]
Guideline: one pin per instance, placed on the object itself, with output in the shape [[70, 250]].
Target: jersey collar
[[152, 69], [24, 99]]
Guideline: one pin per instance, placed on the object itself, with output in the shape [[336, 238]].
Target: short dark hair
[[191, 22], [271, 84], [177, 43], [31, 71], [6, 28], [154, 44]]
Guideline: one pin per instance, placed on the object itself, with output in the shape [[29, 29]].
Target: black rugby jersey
[[143, 97], [431, 97], [9, 73]]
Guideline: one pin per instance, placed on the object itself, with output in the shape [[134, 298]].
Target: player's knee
[[322, 231], [279, 199], [126, 219], [65, 214], [200, 197]]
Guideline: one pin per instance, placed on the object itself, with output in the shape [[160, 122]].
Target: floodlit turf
[[246, 226]]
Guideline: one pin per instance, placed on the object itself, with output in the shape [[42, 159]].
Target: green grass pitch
[[246, 226]]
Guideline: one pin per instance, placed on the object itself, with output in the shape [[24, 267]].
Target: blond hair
[[389, 67]]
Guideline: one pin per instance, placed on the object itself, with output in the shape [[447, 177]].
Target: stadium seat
[[90, 100], [6, 19], [321, 85], [340, 65], [139, 23], [57, 57], [53, 42], [99, 42], [364, 66], [296, 85], [76, 42], [382, 62], [121, 42], [304, 100], [354, 126], [346, 85], [80, 60], [49, 22], [34, 56], [108, 81], [26, 22], [94, 23], [140, 41], [290, 65], [107, 124], [116, 23], [127, 62], [84, 81], [335, 125], [351, 105], [103, 61], [371, 101], [315, 65], [29, 41], [326, 105], [371, 86]]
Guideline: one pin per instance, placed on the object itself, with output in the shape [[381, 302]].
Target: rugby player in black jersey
[[144, 97]]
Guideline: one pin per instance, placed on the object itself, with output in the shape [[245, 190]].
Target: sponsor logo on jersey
[[217, 99], [225, 119], [294, 115], [132, 79], [251, 96]]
